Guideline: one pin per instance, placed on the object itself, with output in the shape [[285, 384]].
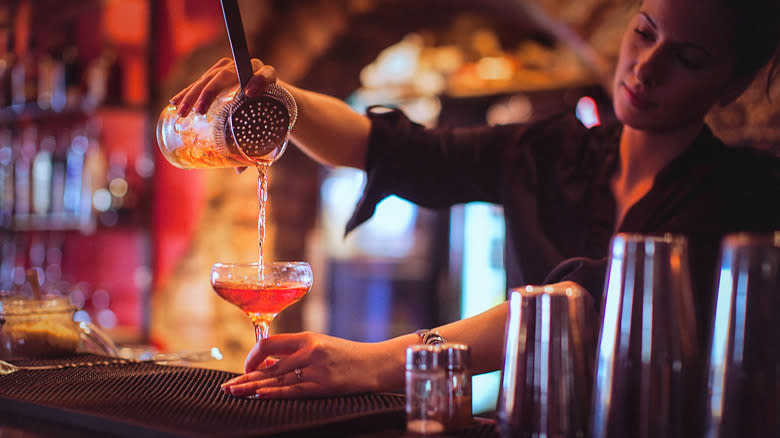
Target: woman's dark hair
[[757, 36]]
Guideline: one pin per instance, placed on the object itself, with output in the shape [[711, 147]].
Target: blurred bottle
[[74, 90], [42, 173], [57, 211], [7, 260], [51, 79], [20, 264], [44, 88], [94, 176], [45, 254], [16, 82], [24, 146], [36, 253], [115, 86], [96, 79], [59, 98], [74, 173], [117, 181], [54, 249], [7, 60], [24, 78], [6, 177]]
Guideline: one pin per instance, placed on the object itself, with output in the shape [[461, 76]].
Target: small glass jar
[[456, 360], [37, 327], [425, 390]]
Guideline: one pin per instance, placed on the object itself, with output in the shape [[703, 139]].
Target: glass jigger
[[262, 291], [646, 370], [548, 363], [743, 397]]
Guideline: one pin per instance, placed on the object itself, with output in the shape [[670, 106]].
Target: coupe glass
[[743, 397], [262, 291], [646, 369]]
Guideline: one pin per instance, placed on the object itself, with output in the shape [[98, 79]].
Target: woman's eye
[[689, 64], [643, 34]]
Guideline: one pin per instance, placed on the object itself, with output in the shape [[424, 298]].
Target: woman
[[565, 189]]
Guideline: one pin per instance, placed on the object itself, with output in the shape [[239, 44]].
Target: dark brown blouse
[[552, 179]]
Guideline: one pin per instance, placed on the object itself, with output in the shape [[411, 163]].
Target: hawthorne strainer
[[258, 126]]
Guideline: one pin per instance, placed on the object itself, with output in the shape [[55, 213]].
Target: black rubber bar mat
[[151, 400]]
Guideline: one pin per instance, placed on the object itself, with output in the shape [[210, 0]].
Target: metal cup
[[548, 364], [646, 369], [743, 397]]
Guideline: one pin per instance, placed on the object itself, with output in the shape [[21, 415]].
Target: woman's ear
[[734, 89]]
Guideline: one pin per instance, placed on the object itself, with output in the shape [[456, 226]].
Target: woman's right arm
[[327, 129]]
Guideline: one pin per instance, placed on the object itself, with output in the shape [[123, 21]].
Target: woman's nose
[[649, 67]]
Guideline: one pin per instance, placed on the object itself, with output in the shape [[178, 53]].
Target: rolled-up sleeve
[[434, 168]]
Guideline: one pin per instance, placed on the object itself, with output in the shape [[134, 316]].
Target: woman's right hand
[[200, 94]]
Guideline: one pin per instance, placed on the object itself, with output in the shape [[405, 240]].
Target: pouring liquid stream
[[262, 196]]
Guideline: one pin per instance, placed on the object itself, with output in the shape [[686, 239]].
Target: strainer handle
[[235, 30]]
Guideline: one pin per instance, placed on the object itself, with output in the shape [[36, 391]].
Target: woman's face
[[675, 63]]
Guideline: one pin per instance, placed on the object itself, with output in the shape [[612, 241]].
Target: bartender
[[565, 188]]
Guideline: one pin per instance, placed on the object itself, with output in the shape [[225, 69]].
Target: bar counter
[[112, 398]]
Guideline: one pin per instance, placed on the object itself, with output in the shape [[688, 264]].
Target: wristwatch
[[430, 337]]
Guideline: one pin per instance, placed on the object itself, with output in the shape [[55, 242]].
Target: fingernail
[[250, 90]]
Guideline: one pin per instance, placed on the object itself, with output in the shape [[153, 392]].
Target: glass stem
[[261, 330]]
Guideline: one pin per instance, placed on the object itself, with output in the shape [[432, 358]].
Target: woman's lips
[[636, 99]]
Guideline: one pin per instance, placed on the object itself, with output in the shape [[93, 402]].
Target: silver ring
[[298, 374]]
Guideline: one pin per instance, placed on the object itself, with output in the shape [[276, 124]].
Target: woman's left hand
[[316, 365]]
